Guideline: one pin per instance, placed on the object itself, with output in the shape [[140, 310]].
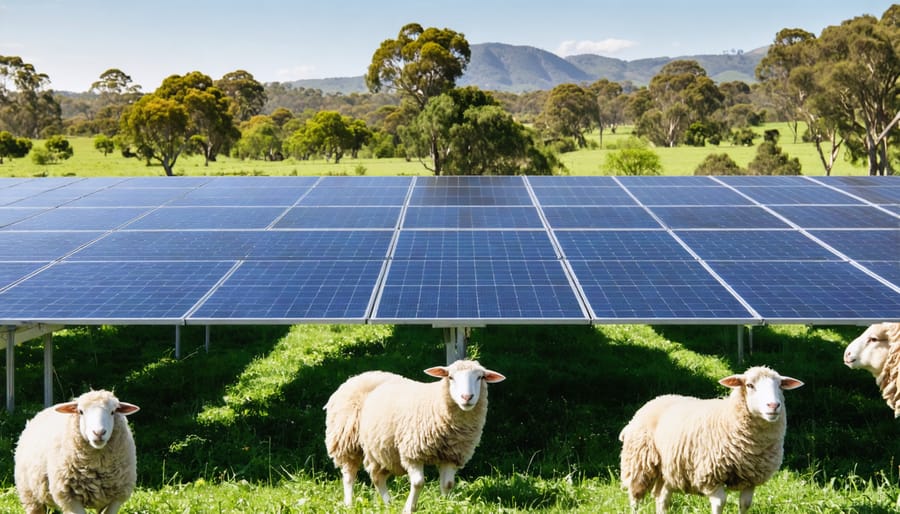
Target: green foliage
[[13, 147], [719, 164], [569, 111], [41, 156], [771, 160], [59, 148], [104, 144], [743, 136], [633, 158]]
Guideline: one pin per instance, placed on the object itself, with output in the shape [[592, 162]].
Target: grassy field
[[87, 161], [240, 429]]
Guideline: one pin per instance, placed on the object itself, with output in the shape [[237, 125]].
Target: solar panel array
[[449, 251]]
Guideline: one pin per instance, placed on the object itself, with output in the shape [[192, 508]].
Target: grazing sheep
[[680, 443], [77, 455], [877, 350], [393, 425]]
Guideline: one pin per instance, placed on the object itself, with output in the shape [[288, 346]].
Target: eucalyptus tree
[[570, 111], [27, 106], [247, 94], [792, 51], [115, 90]]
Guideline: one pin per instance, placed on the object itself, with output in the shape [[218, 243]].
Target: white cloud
[[603, 47], [296, 73]]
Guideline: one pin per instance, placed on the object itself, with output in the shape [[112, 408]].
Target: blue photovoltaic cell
[[838, 216], [630, 181], [798, 195], [318, 244], [479, 289], [340, 217], [355, 196], [486, 195], [687, 196], [80, 218], [9, 215], [472, 217], [261, 182], [599, 217], [250, 196], [100, 291], [338, 181], [170, 245], [583, 195], [55, 197], [717, 217], [655, 290], [127, 197], [474, 244], [165, 182], [758, 245], [41, 246], [882, 195], [12, 271], [858, 180], [888, 270], [620, 245], [863, 245], [471, 181], [541, 181], [767, 180], [294, 290], [197, 218], [806, 290]]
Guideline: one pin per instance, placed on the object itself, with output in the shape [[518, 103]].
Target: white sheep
[[707, 446], [77, 455], [394, 425], [877, 350]]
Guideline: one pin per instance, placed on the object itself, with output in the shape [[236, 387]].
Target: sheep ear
[[790, 383], [438, 371], [126, 408], [733, 381], [492, 377], [66, 408]]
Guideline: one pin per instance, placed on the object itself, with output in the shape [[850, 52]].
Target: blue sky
[[74, 41]]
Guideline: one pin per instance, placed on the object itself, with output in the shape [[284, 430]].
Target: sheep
[[393, 425], [705, 446], [877, 350], [77, 455]]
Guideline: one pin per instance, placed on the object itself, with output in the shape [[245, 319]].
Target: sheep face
[[870, 350], [465, 379], [96, 411], [762, 391]]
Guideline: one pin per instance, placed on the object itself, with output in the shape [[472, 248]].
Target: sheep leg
[[448, 475], [379, 480], [663, 497], [416, 471], [717, 500], [348, 477], [112, 508], [73, 508], [746, 499]]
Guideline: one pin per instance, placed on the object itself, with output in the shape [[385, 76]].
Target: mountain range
[[517, 69]]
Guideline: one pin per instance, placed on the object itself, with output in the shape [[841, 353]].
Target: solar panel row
[[450, 250]]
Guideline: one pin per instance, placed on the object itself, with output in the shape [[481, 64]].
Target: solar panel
[[471, 217], [292, 291], [340, 217], [599, 217], [837, 216], [688, 195], [758, 245], [426, 291], [717, 217], [474, 244], [641, 291], [620, 245], [450, 250], [110, 292]]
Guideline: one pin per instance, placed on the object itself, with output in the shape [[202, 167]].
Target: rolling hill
[[513, 68]]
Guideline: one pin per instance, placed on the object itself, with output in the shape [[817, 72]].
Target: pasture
[[240, 429]]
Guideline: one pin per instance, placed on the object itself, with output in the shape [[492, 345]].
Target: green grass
[[240, 429], [87, 161]]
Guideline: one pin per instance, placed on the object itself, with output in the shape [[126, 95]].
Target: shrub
[[59, 148], [104, 144], [719, 164], [743, 137], [633, 158], [770, 160], [41, 156]]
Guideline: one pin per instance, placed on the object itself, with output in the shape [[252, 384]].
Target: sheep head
[[870, 350], [762, 391], [465, 379], [96, 411]]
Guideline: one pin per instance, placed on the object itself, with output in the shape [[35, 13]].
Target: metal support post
[[10, 369], [48, 369], [740, 344], [177, 341], [207, 339], [455, 340]]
